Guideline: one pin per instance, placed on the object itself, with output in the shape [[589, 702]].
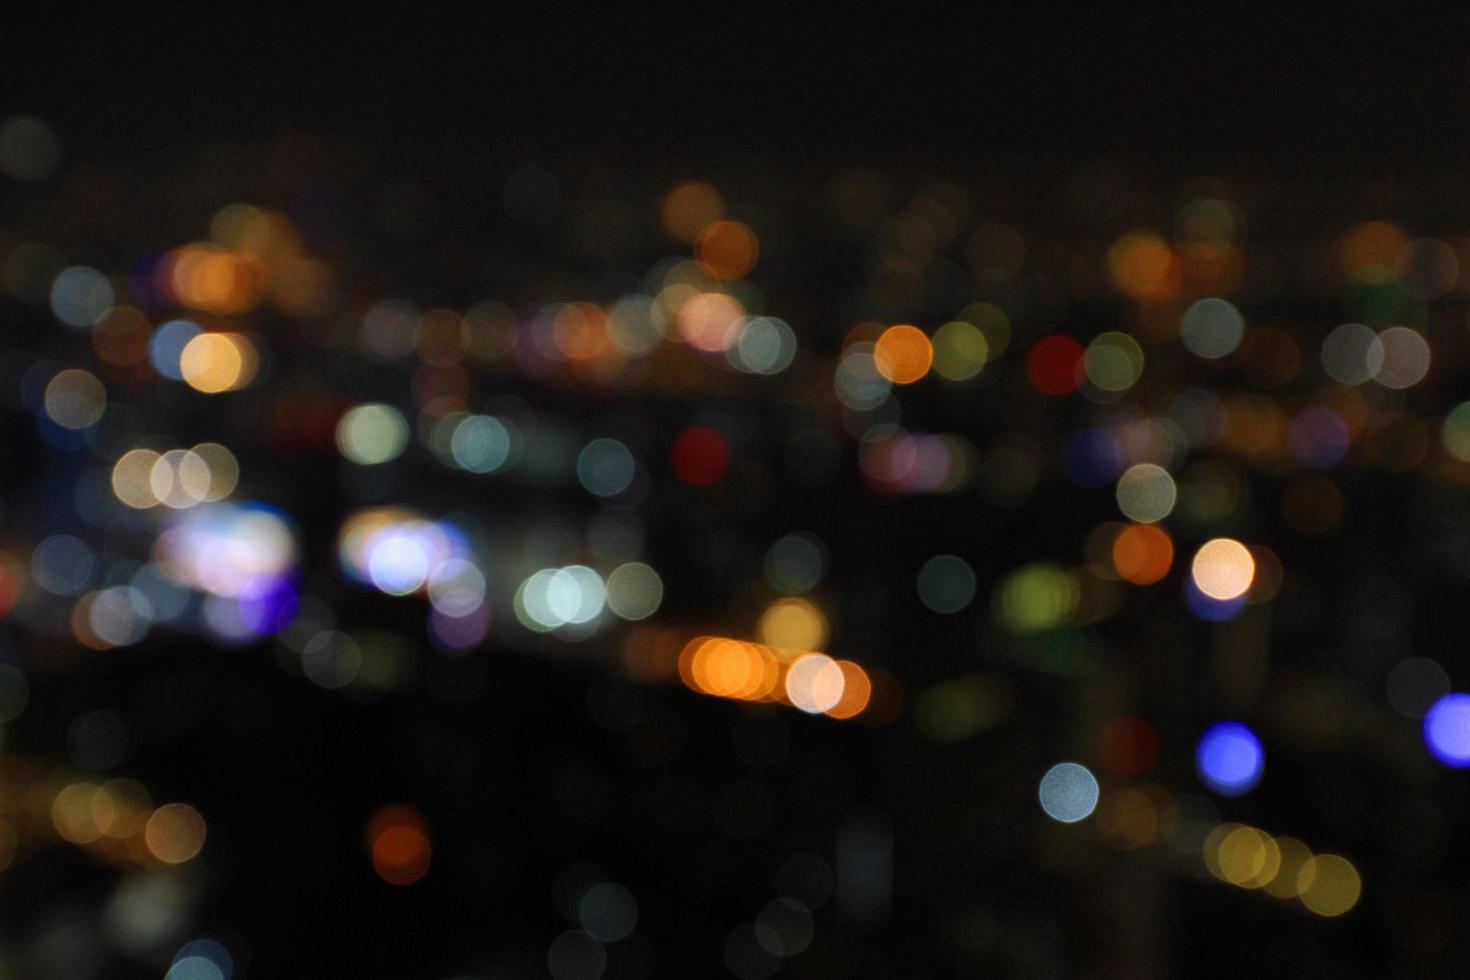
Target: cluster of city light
[[700, 310], [703, 303], [1283, 867], [175, 478], [399, 552], [811, 682], [875, 359], [570, 600], [209, 361], [115, 819], [242, 555], [895, 461], [227, 549]]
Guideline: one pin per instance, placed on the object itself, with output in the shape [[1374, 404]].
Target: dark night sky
[[972, 83]]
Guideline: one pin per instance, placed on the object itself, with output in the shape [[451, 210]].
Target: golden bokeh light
[[1293, 854], [1223, 568], [793, 624], [132, 478], [179, 478], [224, 469], [73, 816], [217, 362], [1329, 885], [903, 354], [174, 833]]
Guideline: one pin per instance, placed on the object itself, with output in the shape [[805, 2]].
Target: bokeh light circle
[[1230, 759], [1068, 792]]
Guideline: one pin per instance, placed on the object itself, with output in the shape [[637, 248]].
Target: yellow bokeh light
[[1223, 568], [132, 478], [216, 362], [72, 814], [224, 469], [1293, 855], [793, 624], [1241, 855], [179, 479], [960, 351], [174, 833], [1329, 884]]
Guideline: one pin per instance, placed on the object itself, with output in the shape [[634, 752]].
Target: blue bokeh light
[[1230, 759], [1210, 609], [1092, 458], [1447, 730]]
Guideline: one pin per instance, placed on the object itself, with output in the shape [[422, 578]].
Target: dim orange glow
[[689, 208], [398, 839], [1370, 251], [903, 354], [208, 279], [580, 331], [175, 833], [728, 249], [1143, 267], [1143, 553]]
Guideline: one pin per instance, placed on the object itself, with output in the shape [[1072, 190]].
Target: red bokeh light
[[1054, 364], [699, 456]]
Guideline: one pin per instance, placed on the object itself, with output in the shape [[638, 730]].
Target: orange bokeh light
[[857, 690], [398, 840], [728, 249], [903, 354], [1144, 267], [1143, 553], [689, 208]]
